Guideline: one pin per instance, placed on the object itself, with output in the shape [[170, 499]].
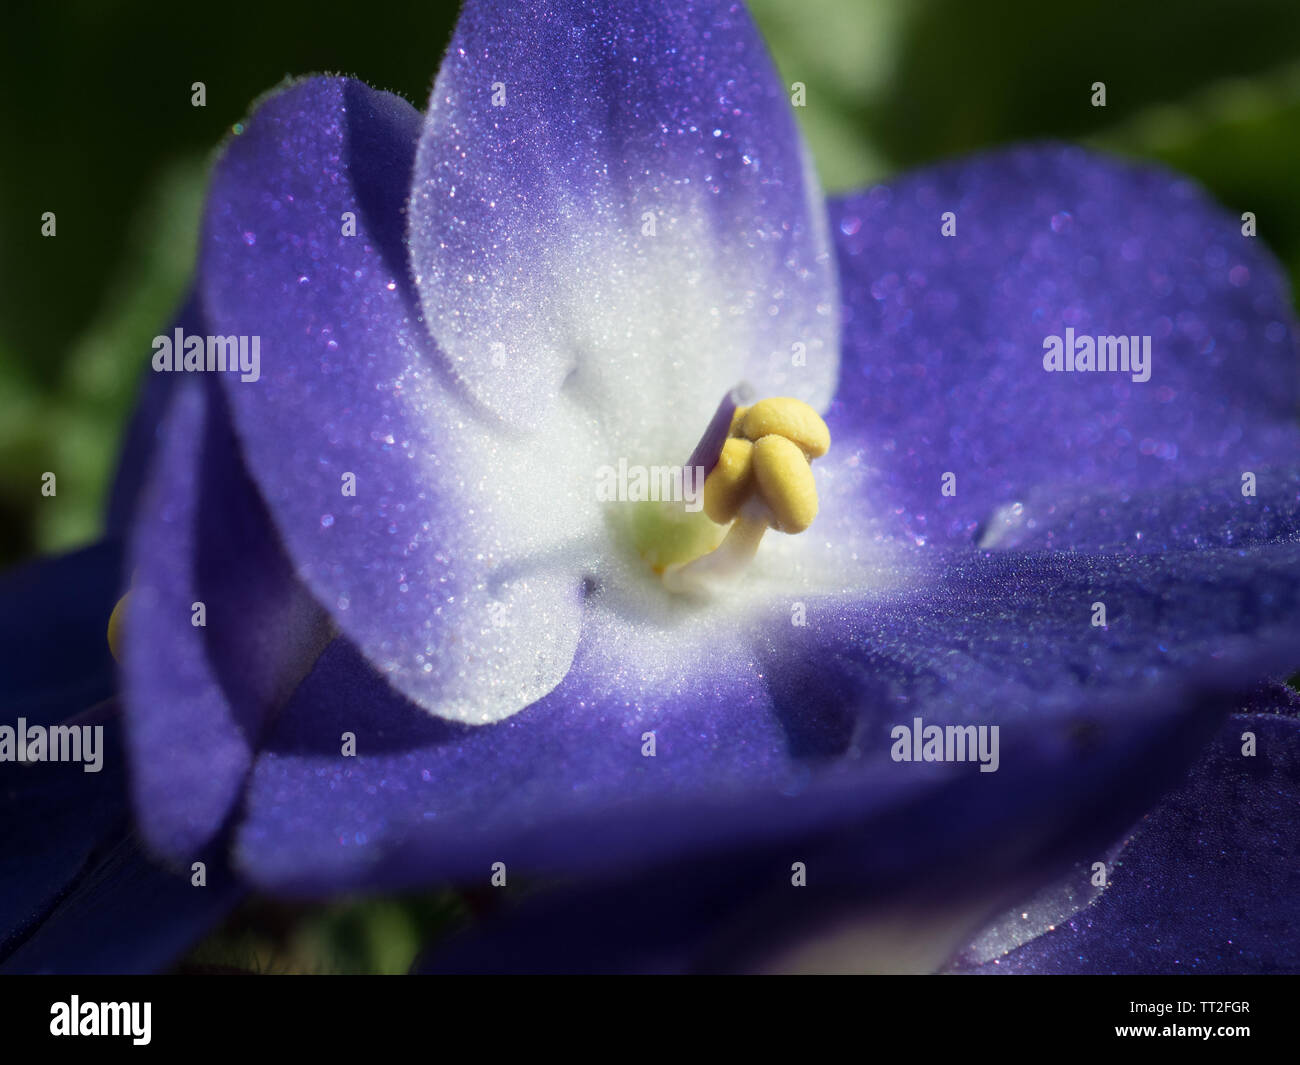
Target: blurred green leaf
[[82, 424], [843, 52], [367, 936], [969, 75]]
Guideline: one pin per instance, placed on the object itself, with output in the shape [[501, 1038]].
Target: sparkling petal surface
[[791, 732], [448, 559], [1207, 882], [562, 336], [425, 798], [631, 228], [1227, 831], [944, 340]]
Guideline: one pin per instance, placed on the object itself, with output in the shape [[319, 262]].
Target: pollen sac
[[737, 417], [789, 418], [785, 481], [731, 482], [115, 626]]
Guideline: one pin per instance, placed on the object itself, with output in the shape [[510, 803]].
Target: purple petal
[[1208, 881], [613, 199], [53, 616], [944, 339], [141, 438], [686, 918], [791, 735], [724, 914], [128, 915], [425, 798], [54, 816], [433, 546], [1176, 516], [708, 450], [197, 697]]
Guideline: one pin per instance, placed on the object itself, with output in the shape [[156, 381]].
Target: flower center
[[756, 463]]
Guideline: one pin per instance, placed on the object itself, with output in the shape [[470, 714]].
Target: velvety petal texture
[[787, 730], [427, 648], [612, 208], [1207, 882], [406, 516], [944, 340], [425, 798], [1204, 883], [77, 891], [794, 734], [217, 632]]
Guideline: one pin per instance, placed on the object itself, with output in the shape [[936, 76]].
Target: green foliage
[[366, 936]]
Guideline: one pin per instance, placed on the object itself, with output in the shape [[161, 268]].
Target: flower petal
[[686, 918], [128, 915], [424, 799], [54, 817], [1202, 886], [612, 202], [436, 544], [1208, 881], [69, 865], [944, 338], [197, 696], [53, 614], [141, 437], [789, 733], [1194, 514]]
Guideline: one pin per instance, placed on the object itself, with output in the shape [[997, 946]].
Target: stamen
[[759, 477], [116, 621], [728, 560], [786, 483], [731, 482], [789, 418]]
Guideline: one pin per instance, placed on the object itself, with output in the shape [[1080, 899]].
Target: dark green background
[[96, 125]]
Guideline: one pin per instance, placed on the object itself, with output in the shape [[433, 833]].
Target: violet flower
[[606, 222]]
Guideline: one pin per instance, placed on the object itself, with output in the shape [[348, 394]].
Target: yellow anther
[[116, 620], [789, 418], [785, 480], [731, 482], [762, 480]]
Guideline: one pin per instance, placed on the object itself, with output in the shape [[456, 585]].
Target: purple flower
[[429, 647], [77, 890]]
